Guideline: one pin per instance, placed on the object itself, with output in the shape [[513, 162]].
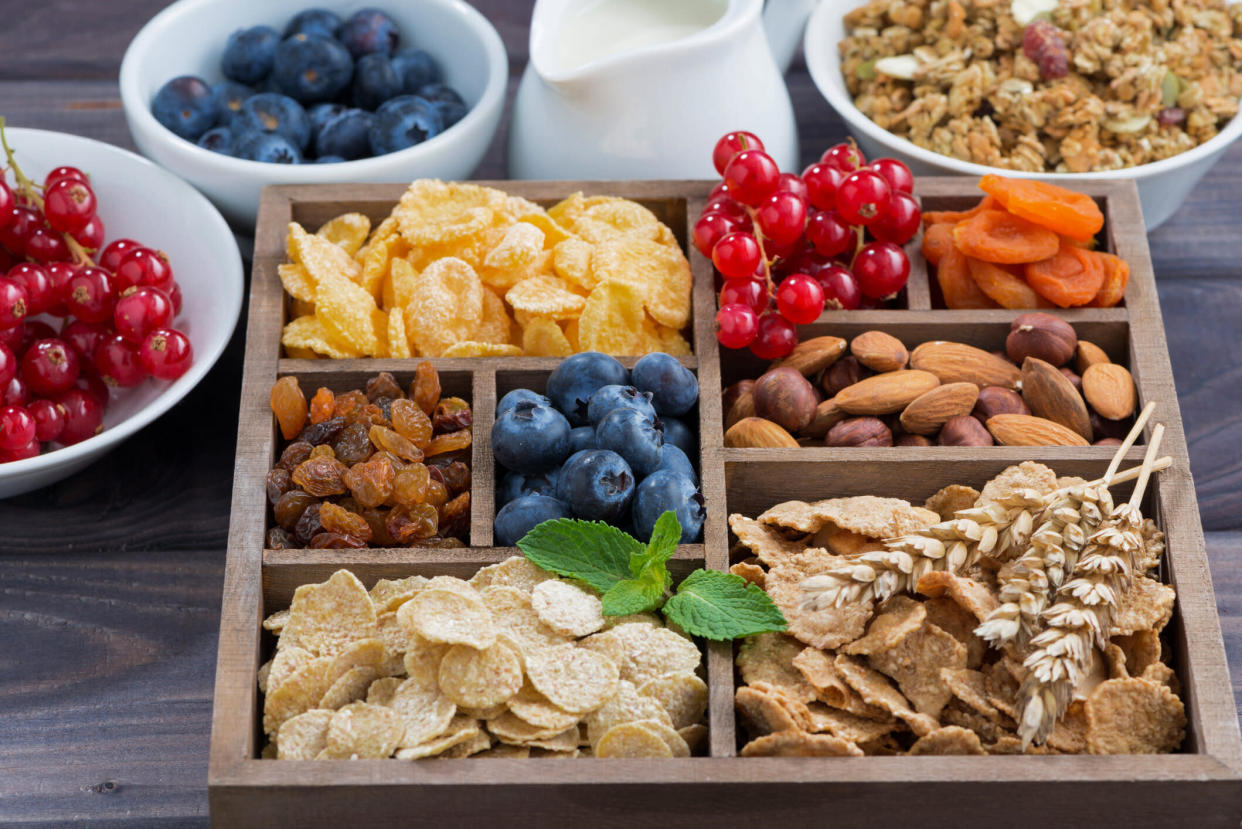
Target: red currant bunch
[[788, 246]]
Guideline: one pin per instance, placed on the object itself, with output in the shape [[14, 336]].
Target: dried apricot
[[956, 285], [1072, 277], [937, 240], [322, 405], [1073, 214], [1116, 277], [952, 217], [425, 390], [411, 422], [289, 405], [1003, 286], [997, 236]]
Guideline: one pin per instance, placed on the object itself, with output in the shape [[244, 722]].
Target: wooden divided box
[[1199, 786]]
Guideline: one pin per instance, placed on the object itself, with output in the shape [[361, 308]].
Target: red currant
[[749, 292], [710, 229], [901, 222], [863, 197], [49, 418], [14, 305], [881, 269], [166, 354], [40, 293], [7, 203], [17, 427], [117, 362], [59, 274], [141, 310], [68, 205], [732, 143], [89, 382], [840, 288], [16, 393], [845, 157], [800, 299], [822, 181], [752, 176], [91, 237], [49, 367], [46, 245], [35, 330], [85, 337], [111, 256], [71, 173], [143, 266], [8, 364], [83, 416], [24, 221], [89, 295], [726, 206], [30, 450], [790, 183], [736, 255], [13, 338], [736, 326], [781, 217], [175, 296], [829, 233], [775, 337], [898, 175]]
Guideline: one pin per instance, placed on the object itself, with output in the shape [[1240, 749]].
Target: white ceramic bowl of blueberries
[[234, 95]]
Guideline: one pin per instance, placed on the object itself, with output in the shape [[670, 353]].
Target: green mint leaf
[[634, 596], [722, 606], [664, 538], [590, 551]]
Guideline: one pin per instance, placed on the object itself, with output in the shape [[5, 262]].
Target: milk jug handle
[[784, 21]]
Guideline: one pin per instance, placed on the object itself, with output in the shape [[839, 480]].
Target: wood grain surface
[[110, 583]]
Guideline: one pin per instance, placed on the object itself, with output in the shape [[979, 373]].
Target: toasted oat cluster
[[937, 640], [1089, 85]]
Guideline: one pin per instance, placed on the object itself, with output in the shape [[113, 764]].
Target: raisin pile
[[378, 468]]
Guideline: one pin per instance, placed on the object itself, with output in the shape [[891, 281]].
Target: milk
[[598, 29]]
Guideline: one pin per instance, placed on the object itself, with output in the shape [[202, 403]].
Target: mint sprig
[[634, 577]]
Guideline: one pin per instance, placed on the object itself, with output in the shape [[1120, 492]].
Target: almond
[[879, 351], [827, 415], [1109, 389], [1088, 354], [757, 433], [1028, 430], [961, 363], [743, 406], [812, 356], [929, 411], [885, 393], [1050, 394]]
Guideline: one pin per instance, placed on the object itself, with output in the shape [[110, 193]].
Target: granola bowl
[[1162, 185]]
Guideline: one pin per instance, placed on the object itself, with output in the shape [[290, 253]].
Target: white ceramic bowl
[[140, 201], [1162, 185], [188, 37]]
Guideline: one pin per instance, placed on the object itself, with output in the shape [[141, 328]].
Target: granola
[[1088, 85]]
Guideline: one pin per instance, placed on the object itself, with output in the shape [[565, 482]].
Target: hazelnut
[[784, 396], [913, 440], [730, 395], [1042, 336], [1102, 427], [964, 430], [860, 431], [827, 415], [843, 373], [1107, 442], [1073, 378], [994, 400]]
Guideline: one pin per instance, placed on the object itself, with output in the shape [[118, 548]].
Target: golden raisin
[[348, 403], [451, 442], [339, 520], [323, 450], [383, 385], [320, 476], [452, 414], [411, 423], [411, 485], [437, 493], [289, 405], [322, 405], [406, 524], [455, 516], [386, 439], [425, 390], [370, 482], [376, 518]]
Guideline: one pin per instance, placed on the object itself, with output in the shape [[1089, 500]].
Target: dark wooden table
[[110, 582]]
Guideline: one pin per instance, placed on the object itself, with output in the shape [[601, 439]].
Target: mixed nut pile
[[1046, 388]]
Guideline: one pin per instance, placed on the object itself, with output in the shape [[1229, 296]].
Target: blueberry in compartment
[[515, 485], [597, 485], [312, 68], [416, 69], [274, 114], [375, 81], [229, 97], [530, 438], [607, 398], [521, 515], [666, 490], [678, 433], [403, 122], [218, 140], [314, 22], [249, 54], [582, 437], [571, 384], [675, 460], [367, 31], [635, 436], [265, 146], [329, 159], [516, 396], [320, 114], [346, 135], [185, 106], [674, 388]]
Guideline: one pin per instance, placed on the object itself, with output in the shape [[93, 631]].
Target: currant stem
[[27, 187], [763, 254]]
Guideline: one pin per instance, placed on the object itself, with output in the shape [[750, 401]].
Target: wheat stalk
[[1083, 614]]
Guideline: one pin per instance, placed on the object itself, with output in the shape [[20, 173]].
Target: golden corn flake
[[668, 340], [509, 728], [282, 666], [445, 307], [505, 751], [300, 692], [546, 296], [847, 726], [553, 233], [661, 274], [495, 326], [565, 743], [827, 627], [361, 731], [450, 617], [1014, 479], [518, 255], [480, 678], [947, 501], [398, 342], [915, 663], [348, 313], [404, 277], [389, 594], [309, 332], [566, 609], [800, 744], [571, 261], [683, 695], [511, 608], [571, 335], [951, 739], [433, 211], [572, 678], [766, 542], [642, 652], [602, 218], [633, 739], [347, 231], [377, 264], [533, 707], [1147, 605], [304, 736], [516, 571], [470, 348], [297, 281], [542, 337], [1134, 716], [612, 320], [320, 257], [765, 712], [298, 353], [864, 514], [325, 618]]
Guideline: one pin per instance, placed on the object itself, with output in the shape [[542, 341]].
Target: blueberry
[[228, 97], [607, 398], [320, 114], [678, 433], [265, 146], [596, 484], [582, 437], [439, 92], [450, 113], [520, 516], [269, 84], [249, 54], [329, 159], [517, 396], [185, 106], [515, 485], [635, 436], [346, 135], [530, 438], [367, 31], [402, 122], [314, 22], [311, 68], [416, 69], [375, 81], [218, 140], [673, 387], [269, 112], [666, 490], [571, 384], [675, 460]]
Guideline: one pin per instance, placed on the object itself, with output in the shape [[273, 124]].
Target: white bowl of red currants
[[120, 286], [280, 69]]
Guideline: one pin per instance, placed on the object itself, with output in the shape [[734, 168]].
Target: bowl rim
[[229, 294], [819, 54], [138, 111]]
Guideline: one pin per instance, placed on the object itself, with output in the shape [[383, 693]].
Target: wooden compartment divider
[[1201, 786]]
